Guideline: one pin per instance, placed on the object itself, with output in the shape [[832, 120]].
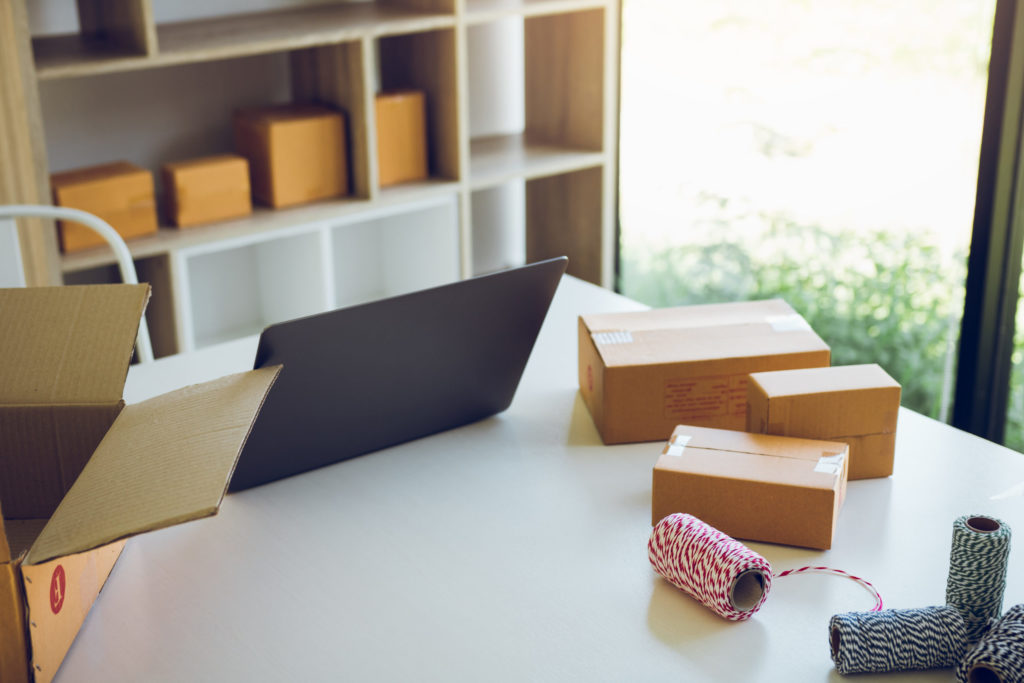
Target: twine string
[[839, 572]]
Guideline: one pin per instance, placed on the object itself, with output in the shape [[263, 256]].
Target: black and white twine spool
[[897, 640], [977, 571], [999, 656]]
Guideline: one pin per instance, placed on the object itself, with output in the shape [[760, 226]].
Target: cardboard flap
[[68, 344], [164, 461]]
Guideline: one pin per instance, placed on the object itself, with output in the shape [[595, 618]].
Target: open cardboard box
[[80, 472]]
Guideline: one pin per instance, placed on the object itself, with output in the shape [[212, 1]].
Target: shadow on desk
[[703, 638]]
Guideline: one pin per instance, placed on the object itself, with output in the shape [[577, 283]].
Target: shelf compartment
[[396, 253], [565, 80], [563, 213], [482, 11], [499, 159], [156, 271], [235, 36], [427, 61], [498, 220], [237, 290]]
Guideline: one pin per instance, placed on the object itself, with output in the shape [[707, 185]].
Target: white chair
[[143, 346]]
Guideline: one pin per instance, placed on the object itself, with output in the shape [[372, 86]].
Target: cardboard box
[[857, 404], [642, 373], [296, 153], [205, 190], [120, 193], [401, 137], [756, 487], [160, 462]]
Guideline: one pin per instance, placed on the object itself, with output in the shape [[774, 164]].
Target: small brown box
[[209, 189], [756, 487], [642, 373], [401, 137], [296, 153], [856, 404], [120, 193]]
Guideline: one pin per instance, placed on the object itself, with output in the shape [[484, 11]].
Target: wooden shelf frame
[[338, 54]]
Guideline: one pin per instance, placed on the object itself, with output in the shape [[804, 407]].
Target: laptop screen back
[[359, 379]]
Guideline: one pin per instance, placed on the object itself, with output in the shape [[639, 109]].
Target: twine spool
[[999, 656], [897, 640], [977, 571], [718, 571]]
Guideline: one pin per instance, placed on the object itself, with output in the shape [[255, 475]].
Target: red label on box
[[58, 587]]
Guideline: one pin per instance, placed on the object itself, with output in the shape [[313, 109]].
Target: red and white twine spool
[[718, 571]]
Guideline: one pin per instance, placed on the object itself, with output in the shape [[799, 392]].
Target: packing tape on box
[[718, 571], [940, 637], [612, 337], [793, 322], [827, 464]]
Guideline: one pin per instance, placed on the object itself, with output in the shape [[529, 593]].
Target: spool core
[[834, 641], [980, 673], [747, 590], [984, 525]]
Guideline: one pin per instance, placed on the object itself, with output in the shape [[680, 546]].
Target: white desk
[[511, 549]]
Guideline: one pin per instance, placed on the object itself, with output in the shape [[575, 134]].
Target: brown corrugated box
[[296, 153], [756, 487], [120, 193], [642, 373], [208, 189], [401, 136], [80, 471], [857, 404]]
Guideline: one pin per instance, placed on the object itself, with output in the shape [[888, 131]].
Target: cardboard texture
[[857, 404], [159, 462], [58, 399], [642, 373], [755, 487], [401, 136], [205, 190], [120, 193], [296, 153]]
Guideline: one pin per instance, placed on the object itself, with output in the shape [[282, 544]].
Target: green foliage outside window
[[892, 298]]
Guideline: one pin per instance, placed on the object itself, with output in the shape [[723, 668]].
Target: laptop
[[359, 379]]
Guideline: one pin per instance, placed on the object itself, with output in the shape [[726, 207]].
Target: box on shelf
[[120, 193], [81, 471], [208, 189], [857, 404], [642, 373], [401, 136], [756, 487], [297, 153]]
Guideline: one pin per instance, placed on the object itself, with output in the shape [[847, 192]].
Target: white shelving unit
[[522, 116]]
